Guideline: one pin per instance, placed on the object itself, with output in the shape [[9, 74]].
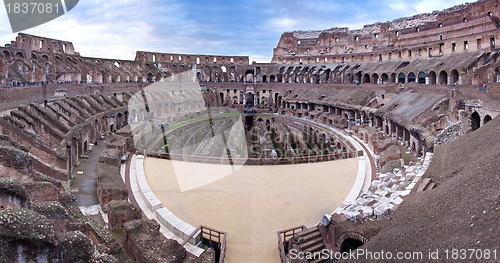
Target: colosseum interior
[[378, 139]]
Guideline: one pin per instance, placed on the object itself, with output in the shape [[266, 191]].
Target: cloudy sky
[[117, 29]]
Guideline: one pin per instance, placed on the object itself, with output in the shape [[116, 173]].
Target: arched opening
[[421, 78], [393, 78], [19, 56], [280, 78], [432, 78], [366, 78], [327, 75], [7, 55], [411, 77], [443, 78], [249, 76], [357, 77], [475, 121], [385, 78], [454, 77], [374, 79], [221, 97], [272, 79], [264, 78], [487, 119], [250, 100], [401, 78], [349, 245]]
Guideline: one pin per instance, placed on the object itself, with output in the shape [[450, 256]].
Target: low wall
[[167, 218]]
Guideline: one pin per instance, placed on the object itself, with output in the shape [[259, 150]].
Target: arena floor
[[251, 203]]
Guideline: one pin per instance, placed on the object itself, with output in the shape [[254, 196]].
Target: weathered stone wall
[[143, 241], [121, 212]]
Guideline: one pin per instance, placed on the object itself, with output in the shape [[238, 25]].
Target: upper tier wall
[[464, 28]]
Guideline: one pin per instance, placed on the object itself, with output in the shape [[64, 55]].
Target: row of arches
[[430, 78], [344, 74], [475, 120], [7, 55]]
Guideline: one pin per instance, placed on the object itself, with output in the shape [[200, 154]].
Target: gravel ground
[[462, 212]]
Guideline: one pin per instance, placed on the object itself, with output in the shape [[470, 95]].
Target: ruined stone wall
[[464, 28], [191, 59], [33, 60]]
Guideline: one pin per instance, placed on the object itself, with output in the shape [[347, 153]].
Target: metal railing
[[283, 237], [250, 161], [212, 235]]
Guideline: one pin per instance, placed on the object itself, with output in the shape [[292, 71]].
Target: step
[[311, 236], [311, 243], [307, 231], [431, 186], [316, 248]]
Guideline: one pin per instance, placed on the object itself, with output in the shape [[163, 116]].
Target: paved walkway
[[84, 186], [252, 203]]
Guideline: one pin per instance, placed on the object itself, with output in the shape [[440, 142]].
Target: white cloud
[[427, 6], [283, 24]]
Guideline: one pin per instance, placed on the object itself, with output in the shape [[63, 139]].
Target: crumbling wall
[[121, 212], [143, 241]]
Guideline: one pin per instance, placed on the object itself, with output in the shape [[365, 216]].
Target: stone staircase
[[310, 241]]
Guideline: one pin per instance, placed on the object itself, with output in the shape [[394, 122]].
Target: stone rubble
[[387, 192]]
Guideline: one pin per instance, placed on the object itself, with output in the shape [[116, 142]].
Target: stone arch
[[19, 56], [475, 121], [411, 77], [487, 119], [384, 77], [393, 78], [328, 72], [454, 77], [421, 77], [108, 78], [7, 55], [366, 78], [272, 79], [357, 76], [249, 75], [221, 94], [443, 77], [351, 241], [374, 78], [432, 78], [401, 78]]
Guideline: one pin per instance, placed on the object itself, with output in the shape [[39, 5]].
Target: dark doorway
[[350, 244], [487, 119], [475, 121]]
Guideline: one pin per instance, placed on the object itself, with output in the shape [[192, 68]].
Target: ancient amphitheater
[[382, 140]]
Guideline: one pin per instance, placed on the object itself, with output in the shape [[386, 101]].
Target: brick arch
[[7, 55], [351, 235]]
